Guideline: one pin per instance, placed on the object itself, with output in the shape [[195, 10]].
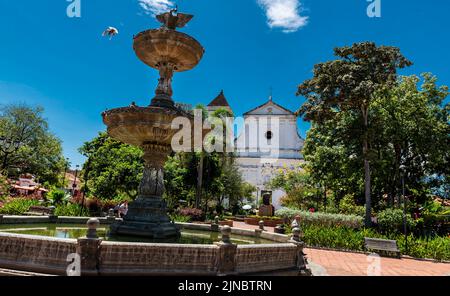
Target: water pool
[[75, 231]]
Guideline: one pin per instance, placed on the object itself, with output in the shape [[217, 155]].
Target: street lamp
[[405, 226], [75, 181]]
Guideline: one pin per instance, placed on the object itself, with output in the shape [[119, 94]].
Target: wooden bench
[[39, 211], [385, 247]]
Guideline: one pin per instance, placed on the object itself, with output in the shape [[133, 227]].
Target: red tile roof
[[219, 101]]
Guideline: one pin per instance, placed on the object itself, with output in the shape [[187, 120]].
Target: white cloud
[[156, 6], [284, 14]]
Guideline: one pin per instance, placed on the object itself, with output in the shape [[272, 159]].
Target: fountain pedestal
[[150, 128], [147, 215]]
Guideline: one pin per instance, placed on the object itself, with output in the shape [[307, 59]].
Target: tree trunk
[[368, 217], [199, 182]]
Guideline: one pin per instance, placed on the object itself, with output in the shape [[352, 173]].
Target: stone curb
[[9, 272]]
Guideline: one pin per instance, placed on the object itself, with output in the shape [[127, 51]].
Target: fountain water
[[168, 51]]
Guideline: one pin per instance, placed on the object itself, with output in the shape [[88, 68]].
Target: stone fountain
[[167, 51]]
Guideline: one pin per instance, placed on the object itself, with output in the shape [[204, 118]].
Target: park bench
[[39, 211], [384, 247]]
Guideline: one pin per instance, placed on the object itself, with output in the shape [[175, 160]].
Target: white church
[[269, 141]]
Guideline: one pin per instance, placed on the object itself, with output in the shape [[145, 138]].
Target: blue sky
[[64, 65]]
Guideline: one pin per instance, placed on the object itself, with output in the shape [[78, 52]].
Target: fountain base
[[146, 218], [147, 230]]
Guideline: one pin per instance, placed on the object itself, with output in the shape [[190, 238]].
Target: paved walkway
[[334, 263]]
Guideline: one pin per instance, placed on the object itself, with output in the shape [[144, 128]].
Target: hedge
[[322, 219]]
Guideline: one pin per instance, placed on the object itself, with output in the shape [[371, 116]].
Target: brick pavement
[[335, 263]]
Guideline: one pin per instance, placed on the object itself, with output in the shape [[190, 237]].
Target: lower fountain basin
[[74, 231], [47, 245]]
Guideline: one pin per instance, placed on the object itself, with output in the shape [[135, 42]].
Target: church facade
[[268, 142]]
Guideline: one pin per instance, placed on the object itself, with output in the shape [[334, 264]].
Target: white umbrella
[[111, 32], [247, 207]]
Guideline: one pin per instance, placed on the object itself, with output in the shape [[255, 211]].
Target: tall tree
[[349, 83], [27, 145], [408, 126]]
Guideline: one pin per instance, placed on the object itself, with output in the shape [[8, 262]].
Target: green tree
[[349, 83], [222, 181], [27, 145], [408, 126], [113, 169], [298, 185]]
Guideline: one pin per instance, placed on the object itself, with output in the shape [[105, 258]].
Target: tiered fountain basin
[[139, 125], [43, 244], [163, 45]]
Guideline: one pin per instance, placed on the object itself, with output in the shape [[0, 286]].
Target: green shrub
[[344, 238], [322, 219], [180, 218], [347, 206], [71, 210], [57, 197], [437, 248], [391, 221], [4, 188], [17, 206]]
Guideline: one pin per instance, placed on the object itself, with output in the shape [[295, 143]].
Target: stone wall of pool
[[53, 256]]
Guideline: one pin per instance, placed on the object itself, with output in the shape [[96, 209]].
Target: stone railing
[[254, 258], [52, 219], [36, 254], [157, 259], [97, 257]]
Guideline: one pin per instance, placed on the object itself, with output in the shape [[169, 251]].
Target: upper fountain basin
[[168, 46], [139, 125]]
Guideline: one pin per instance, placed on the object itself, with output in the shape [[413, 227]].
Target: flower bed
[[268, 221]]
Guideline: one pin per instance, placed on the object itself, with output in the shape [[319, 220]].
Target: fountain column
[[147, 215]]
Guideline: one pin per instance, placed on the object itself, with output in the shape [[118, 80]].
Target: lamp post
[[257, 196], [85, 188], [66, 166], [405, 226], [74, 185]]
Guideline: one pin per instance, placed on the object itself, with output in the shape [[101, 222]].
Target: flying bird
[[110, 32]]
